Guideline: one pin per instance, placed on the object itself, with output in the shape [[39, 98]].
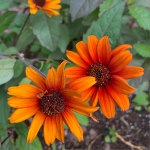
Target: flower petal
[[61, 74], [92, 46], [60, 128], [50, 129], [119, 49], [104, 50], [36, 78], [120, 61], [76, 58], [130, 72], [121, 85], [33, 10], [24, 91], [22, 114], [71, 92], [82, 84], [82, 49], [72, 122], [106, 102], [22, 103], [94, 97], [36, 124]]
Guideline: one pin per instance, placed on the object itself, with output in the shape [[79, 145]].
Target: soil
[[133, 126]]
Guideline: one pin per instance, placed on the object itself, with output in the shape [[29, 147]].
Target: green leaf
[[141, 99], [10, 51], [145, 3], [6, 20], [18, 68], [107, 139], [148, 108], [107, 4], [46, 29], [4, 108], [142, 49], [143, 87], [82, 8], [2, 47], [64, 38], [113, 139], [34, 48], [141, 14], [25, 81], [108, 24], [138, 108], [6, 68], [5, 4], [25, 39], [83, 120]]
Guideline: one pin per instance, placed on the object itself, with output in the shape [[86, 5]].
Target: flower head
[[51, 104], [109, 69], [47, 6]]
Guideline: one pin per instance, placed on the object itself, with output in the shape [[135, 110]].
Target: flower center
[[39, 2], [100, 72], [52, 103]]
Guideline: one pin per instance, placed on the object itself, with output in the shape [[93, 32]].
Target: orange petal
[[22, 103], [119, 98], [82, 49], [60, 128], [94, 97], [87, 94], [106, 102], [92, 46], [52, 79], [36, 78], [76, 58], [119, 49], [104, 50], [61, 74], [130, 72], [50, 129], [82, 84], [72, 122], [33, 10], [50, 5], [71, 80], [35, 126], [120, 61], [75, 72], [121, 85], [22, 114], [24, 91], [70, 92]]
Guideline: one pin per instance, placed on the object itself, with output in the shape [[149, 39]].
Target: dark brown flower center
[[100, 72], [52, 103], [39, 2]]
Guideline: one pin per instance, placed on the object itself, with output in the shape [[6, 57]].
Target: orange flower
[[109, 69], [46, 6], [51, 104]]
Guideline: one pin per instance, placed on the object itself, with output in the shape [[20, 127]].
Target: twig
[[127, 143], [97, 137]]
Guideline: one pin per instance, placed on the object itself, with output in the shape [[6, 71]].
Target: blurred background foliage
[[45, 40]]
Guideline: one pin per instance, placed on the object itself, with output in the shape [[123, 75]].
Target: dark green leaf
[[46, 29], [10, 51], [5, 4], [34, 48], [141, 14], [108, 24], [2, 47], [18, 68], [6, 20], [82, 8], [141, 99], [6, 68]]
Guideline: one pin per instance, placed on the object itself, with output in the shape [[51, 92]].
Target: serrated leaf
[[25, 39], [141, 14], [5, 4], [10, 51], [6, 69], [18, 68], [82, 8], [108, 24], [142, 99], [64, 38], [142, 49], [6, 20], [4, 108], [46, 29], [107, 4]]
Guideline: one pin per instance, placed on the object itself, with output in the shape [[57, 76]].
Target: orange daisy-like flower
[[51, 104], [109, 69], [46, 6]]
